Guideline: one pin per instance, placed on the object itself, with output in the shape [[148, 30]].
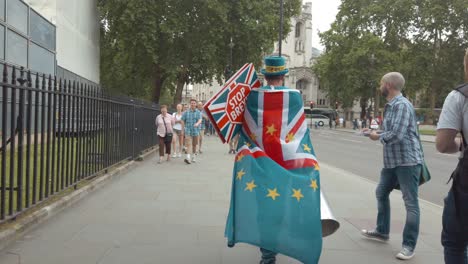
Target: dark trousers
[[455, 228], [163, 144]]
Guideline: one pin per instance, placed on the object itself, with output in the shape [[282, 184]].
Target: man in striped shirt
[[191, 120], [402, 164]]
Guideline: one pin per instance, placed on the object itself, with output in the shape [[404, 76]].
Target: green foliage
[[423, 39], [151, 48]]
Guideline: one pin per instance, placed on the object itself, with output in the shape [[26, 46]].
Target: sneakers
[[375, 235], [405, 254], [174, 155], [186, 160], [193, 159]]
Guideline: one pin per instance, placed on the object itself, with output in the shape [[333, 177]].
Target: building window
[[301, 85], [41, 60], [2, 10], [298, 29], [17, 15], [17, 49], [41, 31]]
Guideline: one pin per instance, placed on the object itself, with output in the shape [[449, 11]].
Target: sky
[[323, 14]]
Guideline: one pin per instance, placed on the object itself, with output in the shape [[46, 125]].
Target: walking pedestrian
[[202, 126], [403, 161], [233, 144], [454, 119], [191, 120], [179, 133], [164, 124]]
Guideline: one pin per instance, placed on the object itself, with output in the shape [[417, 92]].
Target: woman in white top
[[178, 131], [164, 124]]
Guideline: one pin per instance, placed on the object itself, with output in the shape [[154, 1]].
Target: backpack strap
[[463, 89]]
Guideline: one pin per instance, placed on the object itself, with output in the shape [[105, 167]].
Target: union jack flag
[[278, 127], [225, 114]]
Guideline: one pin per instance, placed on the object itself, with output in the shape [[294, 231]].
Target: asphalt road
[[361, 156]]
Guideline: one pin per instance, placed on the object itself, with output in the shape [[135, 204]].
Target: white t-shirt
[[455, 113], [177, 126]]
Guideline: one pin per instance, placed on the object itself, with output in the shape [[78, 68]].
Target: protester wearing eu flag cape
[[275, 199]]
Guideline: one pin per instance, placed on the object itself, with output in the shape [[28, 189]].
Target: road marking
[[351, 140]]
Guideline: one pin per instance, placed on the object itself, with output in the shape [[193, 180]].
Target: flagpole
[[281, 27]]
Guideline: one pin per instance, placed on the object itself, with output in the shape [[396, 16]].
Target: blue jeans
[[268, 256], [455, 229], [408, 179]]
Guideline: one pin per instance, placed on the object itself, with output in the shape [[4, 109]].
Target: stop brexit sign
[[236, 102], [226, 109]]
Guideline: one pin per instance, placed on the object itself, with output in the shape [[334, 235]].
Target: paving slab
[[175, 213]]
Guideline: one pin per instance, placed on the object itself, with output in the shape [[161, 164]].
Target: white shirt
[[455, 113], [177, 126]]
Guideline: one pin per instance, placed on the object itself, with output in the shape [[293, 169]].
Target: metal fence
[[56, 133]]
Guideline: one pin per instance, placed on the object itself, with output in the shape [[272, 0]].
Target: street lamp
[[281, 28], [228, 70], [374, 89]]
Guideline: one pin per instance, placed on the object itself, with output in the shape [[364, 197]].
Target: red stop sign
[[235, 106]]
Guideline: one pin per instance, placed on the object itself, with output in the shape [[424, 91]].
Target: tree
[[156, 42], [423, 39]]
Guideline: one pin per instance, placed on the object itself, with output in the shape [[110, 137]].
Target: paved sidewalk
[[175, 213]]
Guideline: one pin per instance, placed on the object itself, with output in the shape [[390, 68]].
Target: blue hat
[[274, 66]]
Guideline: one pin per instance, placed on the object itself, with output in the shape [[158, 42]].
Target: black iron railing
[[56, 133]]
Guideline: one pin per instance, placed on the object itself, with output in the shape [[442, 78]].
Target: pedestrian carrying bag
[[168, 137], [425, 175]]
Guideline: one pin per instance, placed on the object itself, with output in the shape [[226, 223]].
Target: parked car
[[322, 120]]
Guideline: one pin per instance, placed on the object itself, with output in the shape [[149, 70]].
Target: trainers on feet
[[187, 161], [174, 155], [373, 234], [405, 254], [193, 159]]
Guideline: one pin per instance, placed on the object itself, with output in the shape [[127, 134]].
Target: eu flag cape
[[275, 198]]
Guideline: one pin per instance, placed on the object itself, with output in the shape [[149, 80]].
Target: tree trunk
[[432, 101], [363, 104], [158, 82], [377, 103], [182, 79]]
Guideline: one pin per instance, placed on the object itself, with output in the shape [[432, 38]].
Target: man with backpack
[[454, 119]]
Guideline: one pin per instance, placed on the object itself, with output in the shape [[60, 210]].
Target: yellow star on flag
[[297, 194], [289, 137], [248, 144], [240, 174], [271, 129], [306, 147], [317, 167], [253, 137], [314, 185], [240, 157], [273, 194], [250, 186]]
